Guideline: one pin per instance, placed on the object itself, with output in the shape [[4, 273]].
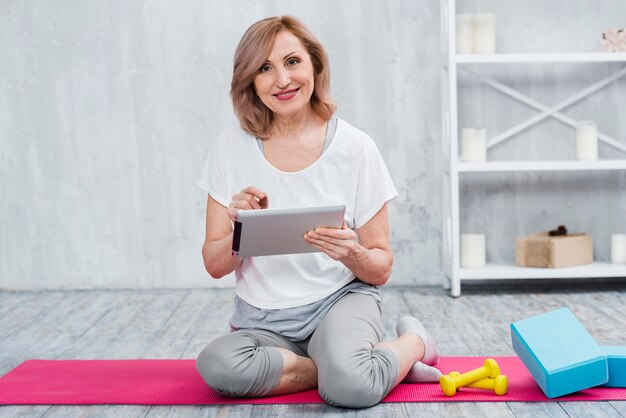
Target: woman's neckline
[[332, 126]]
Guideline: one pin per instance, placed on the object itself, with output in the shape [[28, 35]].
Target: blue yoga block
[[617, 366], [559, 353]]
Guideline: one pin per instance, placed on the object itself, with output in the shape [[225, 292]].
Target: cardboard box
[[542, 250]]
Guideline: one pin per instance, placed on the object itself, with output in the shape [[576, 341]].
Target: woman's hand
[[248, 198], [338, 244], [369, 258]]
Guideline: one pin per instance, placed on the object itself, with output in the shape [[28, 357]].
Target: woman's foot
[[414, 326], [422, 373]]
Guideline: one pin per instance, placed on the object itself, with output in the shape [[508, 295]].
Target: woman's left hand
[[338, 244]]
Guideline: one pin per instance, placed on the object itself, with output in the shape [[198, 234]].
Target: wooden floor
[[179, 323]]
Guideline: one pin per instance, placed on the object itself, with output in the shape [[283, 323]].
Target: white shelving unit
[[452, 64]]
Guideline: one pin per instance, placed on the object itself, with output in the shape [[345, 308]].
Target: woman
[[303, 320]]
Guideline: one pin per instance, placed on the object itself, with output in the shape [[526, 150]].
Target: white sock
[[413, 325], [421, 373]]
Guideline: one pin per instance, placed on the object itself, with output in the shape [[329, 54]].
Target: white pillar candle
[[586, 140], [485, 33], [473, 145], [465, 34], [618, 248], [473, 253]]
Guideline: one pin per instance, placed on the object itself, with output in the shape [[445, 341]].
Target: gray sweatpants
[[351, 372]]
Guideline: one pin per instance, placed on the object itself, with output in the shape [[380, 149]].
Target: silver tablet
[[281, 231]]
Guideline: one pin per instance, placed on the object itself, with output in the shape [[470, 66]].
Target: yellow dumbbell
[[450, 384], [499, 385]]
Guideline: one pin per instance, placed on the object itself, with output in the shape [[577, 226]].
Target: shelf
[[497, 271], [458, 69], [564, 165], [566, 57]]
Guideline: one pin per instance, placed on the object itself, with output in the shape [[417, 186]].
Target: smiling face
[[285, 82]]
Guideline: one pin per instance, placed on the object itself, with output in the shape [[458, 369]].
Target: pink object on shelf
[[614, 40], [176, 382]]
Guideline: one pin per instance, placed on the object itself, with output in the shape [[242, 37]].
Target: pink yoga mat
[[176, 382]]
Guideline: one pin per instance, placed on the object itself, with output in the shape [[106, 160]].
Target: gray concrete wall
[[107, 109]]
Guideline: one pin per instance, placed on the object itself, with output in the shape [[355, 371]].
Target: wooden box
[[543, 250]]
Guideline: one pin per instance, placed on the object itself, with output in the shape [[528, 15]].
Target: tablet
[[281, 231]]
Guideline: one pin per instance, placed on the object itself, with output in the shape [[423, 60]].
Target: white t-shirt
[[350, 172]]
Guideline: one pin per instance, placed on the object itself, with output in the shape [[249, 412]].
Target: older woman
[[303, 320]]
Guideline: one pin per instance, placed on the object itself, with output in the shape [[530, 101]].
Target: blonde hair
[[252, 52]]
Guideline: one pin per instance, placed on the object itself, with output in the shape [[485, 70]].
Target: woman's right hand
[[248, 198]]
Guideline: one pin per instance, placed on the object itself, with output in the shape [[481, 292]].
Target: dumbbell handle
[[490, 369], [499, 385]]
